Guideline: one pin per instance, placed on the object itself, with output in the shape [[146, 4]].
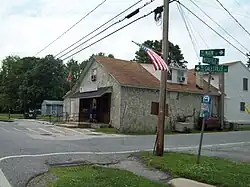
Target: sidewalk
[[123, 162], [182, 182]]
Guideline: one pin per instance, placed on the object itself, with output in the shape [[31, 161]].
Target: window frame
[[245, 84]]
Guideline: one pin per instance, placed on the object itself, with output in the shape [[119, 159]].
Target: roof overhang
[[93, 94]]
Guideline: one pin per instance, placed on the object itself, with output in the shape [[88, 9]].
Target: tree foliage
[[26, 82], [175, 54]]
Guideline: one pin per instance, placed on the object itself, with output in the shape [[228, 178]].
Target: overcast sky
[[29, 25]]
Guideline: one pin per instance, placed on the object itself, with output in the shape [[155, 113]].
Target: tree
[[104, 55], [175, 55]]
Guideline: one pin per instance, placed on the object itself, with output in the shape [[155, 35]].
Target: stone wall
[[103, 79], [136, 108]]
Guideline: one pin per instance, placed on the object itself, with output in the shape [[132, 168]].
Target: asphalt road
[[27, 148]]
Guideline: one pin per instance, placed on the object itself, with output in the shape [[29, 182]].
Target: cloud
[[29, 25]]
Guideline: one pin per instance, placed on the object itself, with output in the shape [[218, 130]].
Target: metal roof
[[52, 102]]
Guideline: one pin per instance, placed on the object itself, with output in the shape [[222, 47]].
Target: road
[[28, 147]]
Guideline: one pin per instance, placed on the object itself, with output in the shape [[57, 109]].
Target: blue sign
[[206, 106], [206, 99]]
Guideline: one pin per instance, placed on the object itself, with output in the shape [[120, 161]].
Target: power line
[[189, 33], [219, 25], [71, 27], [209, 5], [200, 35], [126, 17], [110, 34], [241, 6], [101, 26], [233, 18], [211, 28]]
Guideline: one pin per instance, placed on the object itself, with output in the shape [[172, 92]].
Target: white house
[[236, 90]]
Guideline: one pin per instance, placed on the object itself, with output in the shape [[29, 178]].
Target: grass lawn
[[93, 176], [5, 117], [211, 170]]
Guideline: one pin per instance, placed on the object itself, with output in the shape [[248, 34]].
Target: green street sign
[[212, 52], [211, 68], [211, 61]]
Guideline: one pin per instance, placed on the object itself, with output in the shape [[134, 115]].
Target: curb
[[182, 182], [68, 126], [6, 120]]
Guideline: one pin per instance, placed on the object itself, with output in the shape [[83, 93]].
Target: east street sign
[[211, 61], [212, 52], [211, 68]]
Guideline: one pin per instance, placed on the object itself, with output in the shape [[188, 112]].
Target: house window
[[181, 73], [93, 74], [155, 108], [245, 84], [169, 75], [53, 107], [242, 106]]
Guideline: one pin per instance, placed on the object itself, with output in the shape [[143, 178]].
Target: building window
[[245, 84], [242, 106], [53, 107], [169, 75], [93, 74], [155, 108]]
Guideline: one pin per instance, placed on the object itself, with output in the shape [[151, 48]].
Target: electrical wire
[[110, 34], [241, 6], [235, 13], [192, 26], [233, 18], [71, 27], [115, 23], [219, 25], [189, 33], [212, 28], [99, 27], [126, 17]]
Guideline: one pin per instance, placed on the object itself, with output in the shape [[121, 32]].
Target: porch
[[100, 100]]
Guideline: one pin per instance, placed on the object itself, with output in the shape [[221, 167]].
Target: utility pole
[[222, 98], [163, 84]]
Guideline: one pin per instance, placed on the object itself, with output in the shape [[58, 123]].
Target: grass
[[211, 170], [93, 176]]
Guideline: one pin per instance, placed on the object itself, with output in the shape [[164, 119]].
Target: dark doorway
[[103, 105]]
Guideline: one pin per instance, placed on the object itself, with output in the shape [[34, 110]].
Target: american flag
[[158, 62]]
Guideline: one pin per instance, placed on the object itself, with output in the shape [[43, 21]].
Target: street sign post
[[212, 52], [211, 68], [210, 61]]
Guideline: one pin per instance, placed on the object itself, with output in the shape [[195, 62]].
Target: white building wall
[[235, 93]]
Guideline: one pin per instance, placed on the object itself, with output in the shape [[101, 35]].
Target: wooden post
[[163, 84]]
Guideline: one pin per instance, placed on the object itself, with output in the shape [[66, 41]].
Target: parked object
[[211, 123], [53, 108]]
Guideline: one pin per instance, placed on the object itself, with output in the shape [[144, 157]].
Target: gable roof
[[133, 74], [53, 102], [128, 73]]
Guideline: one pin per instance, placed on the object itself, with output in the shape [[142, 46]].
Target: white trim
[[3, 181]]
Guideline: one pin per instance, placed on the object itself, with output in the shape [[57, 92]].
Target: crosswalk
[[49, 130]]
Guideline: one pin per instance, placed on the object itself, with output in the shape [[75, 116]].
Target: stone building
[[127, 93]]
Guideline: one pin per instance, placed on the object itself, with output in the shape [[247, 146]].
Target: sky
[[27, 26]]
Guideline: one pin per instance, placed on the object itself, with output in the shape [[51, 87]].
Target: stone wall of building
[[104, 79], [136, 108]]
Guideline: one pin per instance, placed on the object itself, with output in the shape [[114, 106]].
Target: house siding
[[136, 108], [234, 93], [104, 79]]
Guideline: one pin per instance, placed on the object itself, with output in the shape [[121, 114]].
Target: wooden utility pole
[[163, 84], [222, 98]]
